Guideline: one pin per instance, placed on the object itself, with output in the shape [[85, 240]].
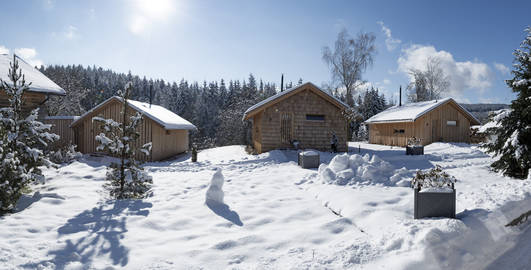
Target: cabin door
[[286, 127], [435, 132]]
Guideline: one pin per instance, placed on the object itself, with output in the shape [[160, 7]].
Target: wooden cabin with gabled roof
[[39, 90], [304, 116], [442, 120], [167, 131]]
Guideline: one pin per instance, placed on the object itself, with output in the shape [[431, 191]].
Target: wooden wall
[[62, 128], [431, 127], [312, 134], [165, 143], [168, 143], [31, 101]]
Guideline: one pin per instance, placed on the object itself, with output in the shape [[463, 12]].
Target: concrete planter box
[[434, 204], [415, 150], [309, 159]]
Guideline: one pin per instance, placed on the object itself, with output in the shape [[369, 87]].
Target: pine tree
[[22, 139], [127, 179], [513, 141]]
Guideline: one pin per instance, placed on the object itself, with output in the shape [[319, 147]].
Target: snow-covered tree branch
[[127, 179]]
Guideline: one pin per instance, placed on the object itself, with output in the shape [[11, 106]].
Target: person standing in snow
[[333, 142]]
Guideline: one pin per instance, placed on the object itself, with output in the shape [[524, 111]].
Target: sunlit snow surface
[[274, 215]]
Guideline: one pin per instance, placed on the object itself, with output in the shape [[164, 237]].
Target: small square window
[[315, 117], [451, 123]]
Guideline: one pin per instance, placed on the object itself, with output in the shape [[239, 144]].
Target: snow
[[285, 92], [61, 117], [39, 82], [309, 153], [411, 111], [275, 216], [214, 192], [436, 190], [168, 119]]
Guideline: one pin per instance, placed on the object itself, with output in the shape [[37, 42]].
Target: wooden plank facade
[[306, 114], [61, 127], [31, 100], [165, 143], [446, 123]]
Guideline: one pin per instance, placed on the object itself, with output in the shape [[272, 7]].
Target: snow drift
[[350, 169]]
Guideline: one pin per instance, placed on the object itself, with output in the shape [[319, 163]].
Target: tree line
[[215, 107]]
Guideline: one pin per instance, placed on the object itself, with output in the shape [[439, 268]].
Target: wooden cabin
[[40, 89], [441, 120], [60, 125], [303, 116], [167, 131]]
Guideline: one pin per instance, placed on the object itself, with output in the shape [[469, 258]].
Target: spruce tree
[[513, 142], [127, 179], [22, 139]]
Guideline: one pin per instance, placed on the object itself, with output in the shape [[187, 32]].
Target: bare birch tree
[[428, 84], [349, 59]]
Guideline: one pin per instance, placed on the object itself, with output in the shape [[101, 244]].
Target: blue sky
[[209, 40]]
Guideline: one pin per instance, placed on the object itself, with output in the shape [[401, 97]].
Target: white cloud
[[146, 13], [503, 69], [386, 81], [463, 76], [3, 50], [390, 42], [29, 55], [71, 32]]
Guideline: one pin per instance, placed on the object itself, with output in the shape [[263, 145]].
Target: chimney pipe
[[400, 97], [282, 83], [150, 94]]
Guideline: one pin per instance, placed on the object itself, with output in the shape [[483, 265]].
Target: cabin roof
[[166, 118], [39, 82], [286, 93], [411, 111]]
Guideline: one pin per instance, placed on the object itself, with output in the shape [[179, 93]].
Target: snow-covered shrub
[[414, 141], [22, 139], [214, 192], [349, 169], [433, 178], [127, 179], [66, 154]]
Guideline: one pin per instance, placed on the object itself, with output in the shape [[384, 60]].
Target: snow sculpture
[[214, 192]]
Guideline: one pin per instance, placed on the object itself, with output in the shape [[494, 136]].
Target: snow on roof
[[166, 118], [285, 92], [39, 82], [161, 115], [62, 117], [411, 111]]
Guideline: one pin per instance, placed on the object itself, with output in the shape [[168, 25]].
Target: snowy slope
[[275, 216], [39, 82]]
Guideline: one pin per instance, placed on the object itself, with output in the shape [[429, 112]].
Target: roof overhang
[[255, 109]]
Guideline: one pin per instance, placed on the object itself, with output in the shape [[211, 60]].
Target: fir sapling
[[127, 179], [22, 140]]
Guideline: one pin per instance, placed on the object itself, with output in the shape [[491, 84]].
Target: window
[[451, 123], [285, 127], [399, 131], [315, 117]]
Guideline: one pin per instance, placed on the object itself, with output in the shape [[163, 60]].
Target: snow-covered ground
[[274, 215]]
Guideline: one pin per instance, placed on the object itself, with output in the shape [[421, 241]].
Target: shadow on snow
[[104, 227], [225, 212]]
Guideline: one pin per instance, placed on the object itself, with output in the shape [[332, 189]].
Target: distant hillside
[[481, 110]]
